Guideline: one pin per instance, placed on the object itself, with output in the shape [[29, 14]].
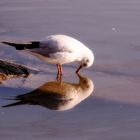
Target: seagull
[[58, 49]]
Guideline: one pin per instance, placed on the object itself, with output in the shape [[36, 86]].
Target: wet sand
[[111, 29]]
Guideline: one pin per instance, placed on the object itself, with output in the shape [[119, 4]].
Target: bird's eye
[[84, 64]]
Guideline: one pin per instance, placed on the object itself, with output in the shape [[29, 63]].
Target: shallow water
[[111, 29]]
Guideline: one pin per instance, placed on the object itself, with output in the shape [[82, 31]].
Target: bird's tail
[[22, 46], [15, 104]]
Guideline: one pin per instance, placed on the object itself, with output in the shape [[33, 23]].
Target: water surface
[[111, 29]]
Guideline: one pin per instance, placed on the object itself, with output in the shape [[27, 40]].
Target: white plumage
[[59, 50]]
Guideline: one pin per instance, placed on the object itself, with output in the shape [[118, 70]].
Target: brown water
[[111, 29]]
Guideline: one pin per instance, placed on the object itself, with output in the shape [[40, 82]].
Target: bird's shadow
[[54, 95]]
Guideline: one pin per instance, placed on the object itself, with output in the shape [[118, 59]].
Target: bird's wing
[[54, 46], [23, 45], [60, 43]]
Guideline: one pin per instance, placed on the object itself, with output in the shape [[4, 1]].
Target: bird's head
[[86, 61]]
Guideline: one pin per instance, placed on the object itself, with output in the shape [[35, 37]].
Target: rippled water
[[111, 29]]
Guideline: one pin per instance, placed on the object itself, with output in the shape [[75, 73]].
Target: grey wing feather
[[53, 46]]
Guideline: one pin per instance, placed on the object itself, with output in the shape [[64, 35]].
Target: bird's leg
[[57, 78], [59, 72], [60, 66], [77, 71], [59, 69]]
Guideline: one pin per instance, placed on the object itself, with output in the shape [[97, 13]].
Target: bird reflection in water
[[57, 96]]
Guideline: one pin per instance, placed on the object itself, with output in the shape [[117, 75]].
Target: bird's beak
[[79, 68]]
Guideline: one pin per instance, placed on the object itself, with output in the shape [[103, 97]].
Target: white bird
[[59, 50]]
